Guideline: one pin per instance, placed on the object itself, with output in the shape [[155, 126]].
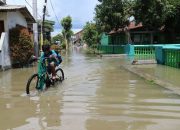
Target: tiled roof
[[21, 8], [11, 7], [131, 26]]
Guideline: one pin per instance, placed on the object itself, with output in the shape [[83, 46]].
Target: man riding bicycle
[[54, 59]]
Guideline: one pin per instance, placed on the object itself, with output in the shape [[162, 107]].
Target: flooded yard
[[97, 94]]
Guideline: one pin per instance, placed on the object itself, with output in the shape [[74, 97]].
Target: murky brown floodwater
[[97, 94]]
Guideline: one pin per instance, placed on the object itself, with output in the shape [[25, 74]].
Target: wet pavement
[[165, 76], [98, 93]]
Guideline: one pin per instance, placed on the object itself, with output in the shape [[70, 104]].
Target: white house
[[10, 16]]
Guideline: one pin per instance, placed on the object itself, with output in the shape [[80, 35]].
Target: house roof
[[79, 32], [10, 8], [131, 26]]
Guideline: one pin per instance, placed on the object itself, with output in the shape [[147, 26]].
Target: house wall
[[16, 18], [10, 20], [104, 39], [3, 17]]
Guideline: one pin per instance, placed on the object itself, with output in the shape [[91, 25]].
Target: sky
[[81, 11]]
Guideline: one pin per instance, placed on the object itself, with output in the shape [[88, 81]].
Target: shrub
[[21, 46]]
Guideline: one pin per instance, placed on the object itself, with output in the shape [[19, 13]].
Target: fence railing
[[111, 49], [165, 54], [172, 57], [144, 52]]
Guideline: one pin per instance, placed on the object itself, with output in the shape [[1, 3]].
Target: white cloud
[[81, 11]]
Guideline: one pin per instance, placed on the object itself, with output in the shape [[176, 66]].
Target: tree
[[173, 17], [66, 24], [152, 13], [155, 14], [113, 14], [56, 38], [90, 34]]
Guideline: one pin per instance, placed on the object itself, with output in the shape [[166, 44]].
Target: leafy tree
[[173, 17], [58, 37], [67, 25], [152, 13], [155, 14], [113, 14], [90, 34], [48, 28]]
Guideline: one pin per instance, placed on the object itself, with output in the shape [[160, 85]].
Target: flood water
[[97, 94]]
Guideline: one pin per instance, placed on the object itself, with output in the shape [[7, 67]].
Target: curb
[[175, 89]]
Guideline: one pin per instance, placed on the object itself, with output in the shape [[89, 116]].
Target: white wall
[[11, 19], [4, 55], [16, 18]]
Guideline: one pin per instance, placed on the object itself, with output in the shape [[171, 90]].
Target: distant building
[[10, 17], [77, 38]]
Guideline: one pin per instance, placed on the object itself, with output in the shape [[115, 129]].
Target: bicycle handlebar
[[34, 59]]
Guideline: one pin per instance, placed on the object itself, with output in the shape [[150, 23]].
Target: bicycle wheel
[[59, 74], [32, 83]]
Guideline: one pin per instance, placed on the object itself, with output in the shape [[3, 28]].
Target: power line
[[55, 13], [28, 4], [32, 8]]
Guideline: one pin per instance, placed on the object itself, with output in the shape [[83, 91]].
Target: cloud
[[81, 11]]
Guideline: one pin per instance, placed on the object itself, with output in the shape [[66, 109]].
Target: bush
[[63, 45], [21, 46]]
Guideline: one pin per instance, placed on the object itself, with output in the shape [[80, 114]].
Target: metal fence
[[111, 49]]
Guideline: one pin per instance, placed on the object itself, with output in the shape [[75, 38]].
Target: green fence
[[111, 49], [142, 52], [172, 57]]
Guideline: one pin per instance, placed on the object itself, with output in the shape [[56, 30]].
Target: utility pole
[[35, 29], [44, 13]]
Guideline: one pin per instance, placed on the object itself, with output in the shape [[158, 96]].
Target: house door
[[1, 27]]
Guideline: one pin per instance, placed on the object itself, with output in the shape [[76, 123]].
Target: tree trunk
[[66, 42]]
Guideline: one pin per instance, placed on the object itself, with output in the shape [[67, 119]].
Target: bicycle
[[43, 79]]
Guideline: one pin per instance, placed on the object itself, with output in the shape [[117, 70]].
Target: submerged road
[[97, 94]]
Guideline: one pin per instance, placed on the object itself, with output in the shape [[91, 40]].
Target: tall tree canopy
[[152, 13], [113, 14], [58, 37], [90, 34], [155, 14], [173, 17], [67, 25]]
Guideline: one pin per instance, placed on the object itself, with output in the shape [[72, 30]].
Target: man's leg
[[52, 64]]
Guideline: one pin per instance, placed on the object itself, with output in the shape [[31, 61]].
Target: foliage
[[156, 14], [152, 13], [63, 45], [173, 17], [113, 14], [48, 28], [49, 25], [67, 25], [67, 34], [58, 37], [46, 42], [90, 34], [21, 46]]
